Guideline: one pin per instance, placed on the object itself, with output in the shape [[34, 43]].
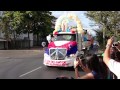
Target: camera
[[82, 58], [115, 44]]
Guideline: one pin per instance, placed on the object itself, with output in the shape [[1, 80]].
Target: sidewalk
[[21, 52], [32, 48], [36, 48]]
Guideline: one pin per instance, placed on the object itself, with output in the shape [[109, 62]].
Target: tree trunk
[[37, 39], [7, 44], [4, 45], [14, 41], [28, 39]]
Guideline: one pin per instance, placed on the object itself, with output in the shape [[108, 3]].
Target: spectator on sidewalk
[[44, 45], [49, 38]]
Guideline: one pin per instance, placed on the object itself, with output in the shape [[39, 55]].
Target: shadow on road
[[64, 68], [69, 68]]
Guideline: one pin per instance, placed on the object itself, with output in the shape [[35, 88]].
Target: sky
[[84, 20]]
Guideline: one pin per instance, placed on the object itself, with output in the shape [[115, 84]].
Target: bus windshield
[[65, 37]]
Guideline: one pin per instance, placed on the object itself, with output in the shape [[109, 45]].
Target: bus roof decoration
[[62, 24], [67, 41]]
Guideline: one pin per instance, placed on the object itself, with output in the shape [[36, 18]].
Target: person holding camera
[[93, 66], [113, 64]]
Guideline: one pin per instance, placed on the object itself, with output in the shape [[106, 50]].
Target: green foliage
[[108, 21], [99, 34], [4, 23], [17, 22]]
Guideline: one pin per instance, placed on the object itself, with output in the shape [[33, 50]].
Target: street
[[28, 64]]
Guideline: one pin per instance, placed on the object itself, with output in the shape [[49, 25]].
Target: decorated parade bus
[[67, 41]]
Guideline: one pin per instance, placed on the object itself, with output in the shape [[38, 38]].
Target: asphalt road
[[28, 64]]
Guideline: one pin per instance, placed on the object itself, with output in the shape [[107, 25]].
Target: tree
[[108, 21], [5, 27], [13, 19], [99, 34], [42, 23], [37, 22], [13, 23]]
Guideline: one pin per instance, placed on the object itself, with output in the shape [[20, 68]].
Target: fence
[[20, 44], [2, 43], [39, 42]]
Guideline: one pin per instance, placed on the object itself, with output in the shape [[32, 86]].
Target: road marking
[[30, 72]]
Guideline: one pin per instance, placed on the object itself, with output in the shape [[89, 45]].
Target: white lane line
[[30, 72]]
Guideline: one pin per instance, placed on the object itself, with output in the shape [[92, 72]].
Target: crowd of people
[[105, 66]]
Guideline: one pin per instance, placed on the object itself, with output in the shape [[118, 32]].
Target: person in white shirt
[[112, 64], [49, 39]]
